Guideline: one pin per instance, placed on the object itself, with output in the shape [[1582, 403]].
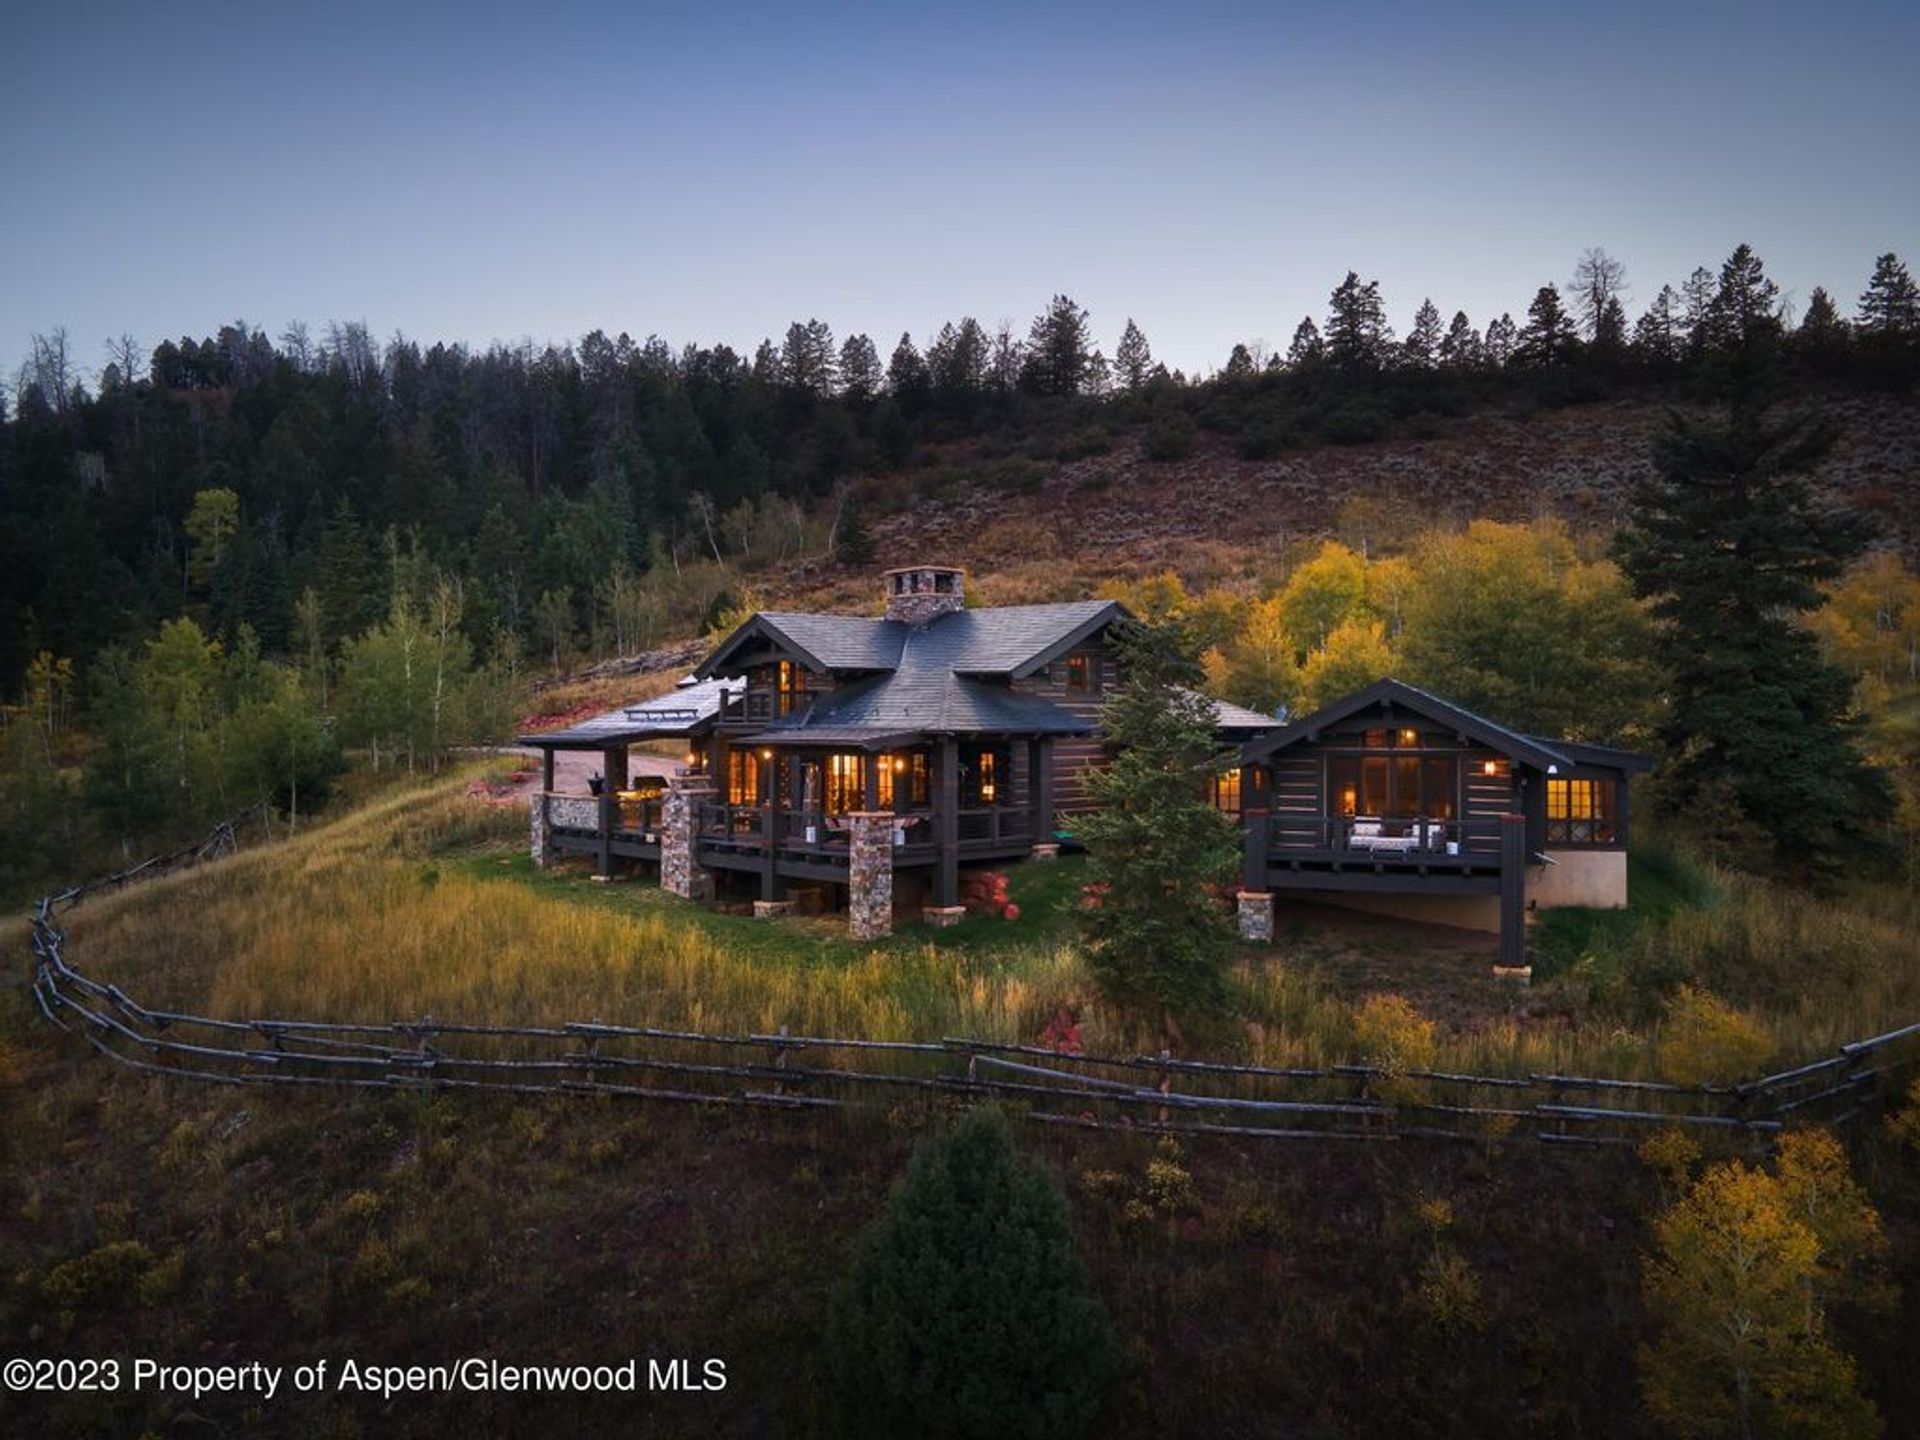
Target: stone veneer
[[941, 916], [541, 846], [870, 874], [679, 817], [1256, 916], [574, 812]]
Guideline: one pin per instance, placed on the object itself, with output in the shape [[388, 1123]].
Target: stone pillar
[[542, 847], [1256, 916], [870, 874], [680, 873]]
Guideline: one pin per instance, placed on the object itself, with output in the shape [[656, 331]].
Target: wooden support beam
[[1257, 826], [1040, 787], [546, 769], [946, 819], [1513, 891]]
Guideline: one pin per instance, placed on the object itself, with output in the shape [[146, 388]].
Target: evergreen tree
[[1731, 549], [967, 1312], [1358, 336], [860, 374], [1239, 363], [1503, 338], [1306, 349], [1156, 844], [1058, 350], [852, 542], [1890, 305], [907, 378], [1549, 336], [1822, 336], [1422, 345], [1610, 332], [1460, 347], [1746, 307], [1657, 334], [1698, 293], [1132, 360]]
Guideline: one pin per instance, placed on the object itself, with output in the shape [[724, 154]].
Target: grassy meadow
[[423, 902]]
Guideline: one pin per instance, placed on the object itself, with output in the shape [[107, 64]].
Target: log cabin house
[[827, 754], [866, 761], [1397, 801]]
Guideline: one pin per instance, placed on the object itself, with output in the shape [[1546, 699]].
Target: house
[[1398, 801], [866, 760], [867, 756]]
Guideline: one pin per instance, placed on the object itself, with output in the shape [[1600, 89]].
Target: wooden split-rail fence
[[1151, 1093]]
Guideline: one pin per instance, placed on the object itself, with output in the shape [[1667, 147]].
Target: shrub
[[1355, 423], [1705, 1041], [968, 1311], [1171, 436], [1084, 443], [107, 1278]]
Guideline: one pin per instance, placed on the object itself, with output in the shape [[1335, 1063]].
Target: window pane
[[1373, 785], [1406, 786], [1343, 784], [1436, 790]]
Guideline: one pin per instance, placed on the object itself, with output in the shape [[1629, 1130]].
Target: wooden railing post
[[1513, 891], [1257, 824]]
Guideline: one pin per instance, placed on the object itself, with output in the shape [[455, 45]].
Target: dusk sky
[[477, 172]]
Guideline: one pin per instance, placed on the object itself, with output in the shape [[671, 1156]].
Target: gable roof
[[1527, 749]]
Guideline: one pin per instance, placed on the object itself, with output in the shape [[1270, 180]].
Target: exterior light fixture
[[766, 754], [1489, 767], [1553, 769]]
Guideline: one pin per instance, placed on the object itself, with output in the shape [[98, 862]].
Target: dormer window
[[790, 688], [1080, 673]]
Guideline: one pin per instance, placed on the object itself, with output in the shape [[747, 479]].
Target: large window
[[1393, 786], [846, 784], [743, 777], [790, 688], [1582, 812]]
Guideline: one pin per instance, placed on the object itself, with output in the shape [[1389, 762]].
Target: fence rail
[[1150, 1093]]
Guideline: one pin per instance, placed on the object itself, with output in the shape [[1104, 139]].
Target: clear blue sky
[[713, 171]]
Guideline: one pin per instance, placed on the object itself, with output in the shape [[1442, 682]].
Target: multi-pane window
[[1226, 791], [986, 779], [919, 781], [790, 687], [743, 777], [1581, 812], [846, 784], [1080, 672], [1390, 786]]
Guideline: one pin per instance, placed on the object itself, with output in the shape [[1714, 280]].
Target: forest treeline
[[225, 562]]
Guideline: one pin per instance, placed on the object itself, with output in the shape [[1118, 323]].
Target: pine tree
[[1698, 292], [1133, 359], [807, 360], [1731, 549], [1657, 334], [1156, 938], [1307, 349], [1239, 363], [1460, 348], [1746, 307], [1823, 335], [1358, 336], [1610, 332], [1057, 350], [1890, 305], [967, 1311], [1422, 345], [1503, 338], [907, 378], [1549, 336], [860, 373]]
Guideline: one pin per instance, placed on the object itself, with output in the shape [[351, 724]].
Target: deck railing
[[1422, 841]]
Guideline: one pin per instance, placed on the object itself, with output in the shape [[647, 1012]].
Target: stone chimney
[[919, 593]]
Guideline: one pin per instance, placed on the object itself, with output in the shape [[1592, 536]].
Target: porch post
[[1256, 826], [680, 871], [541, 844], [946, 819], [772, 828], [1040, 797], [1513, 891], [870, 874], [546, 768], [870, 771]]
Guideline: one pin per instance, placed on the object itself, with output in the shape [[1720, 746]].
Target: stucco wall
[[1581, 877]]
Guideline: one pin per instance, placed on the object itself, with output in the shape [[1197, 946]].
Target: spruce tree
[[1422, 345], [1549, 336], [1460, 348], [1058, 351], [1730, 547], [1307, 349], [1132, 358], [860, 373], [968, 1312], [1156, 938], [1502, 339], [1890, 305], [1657, 334]]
